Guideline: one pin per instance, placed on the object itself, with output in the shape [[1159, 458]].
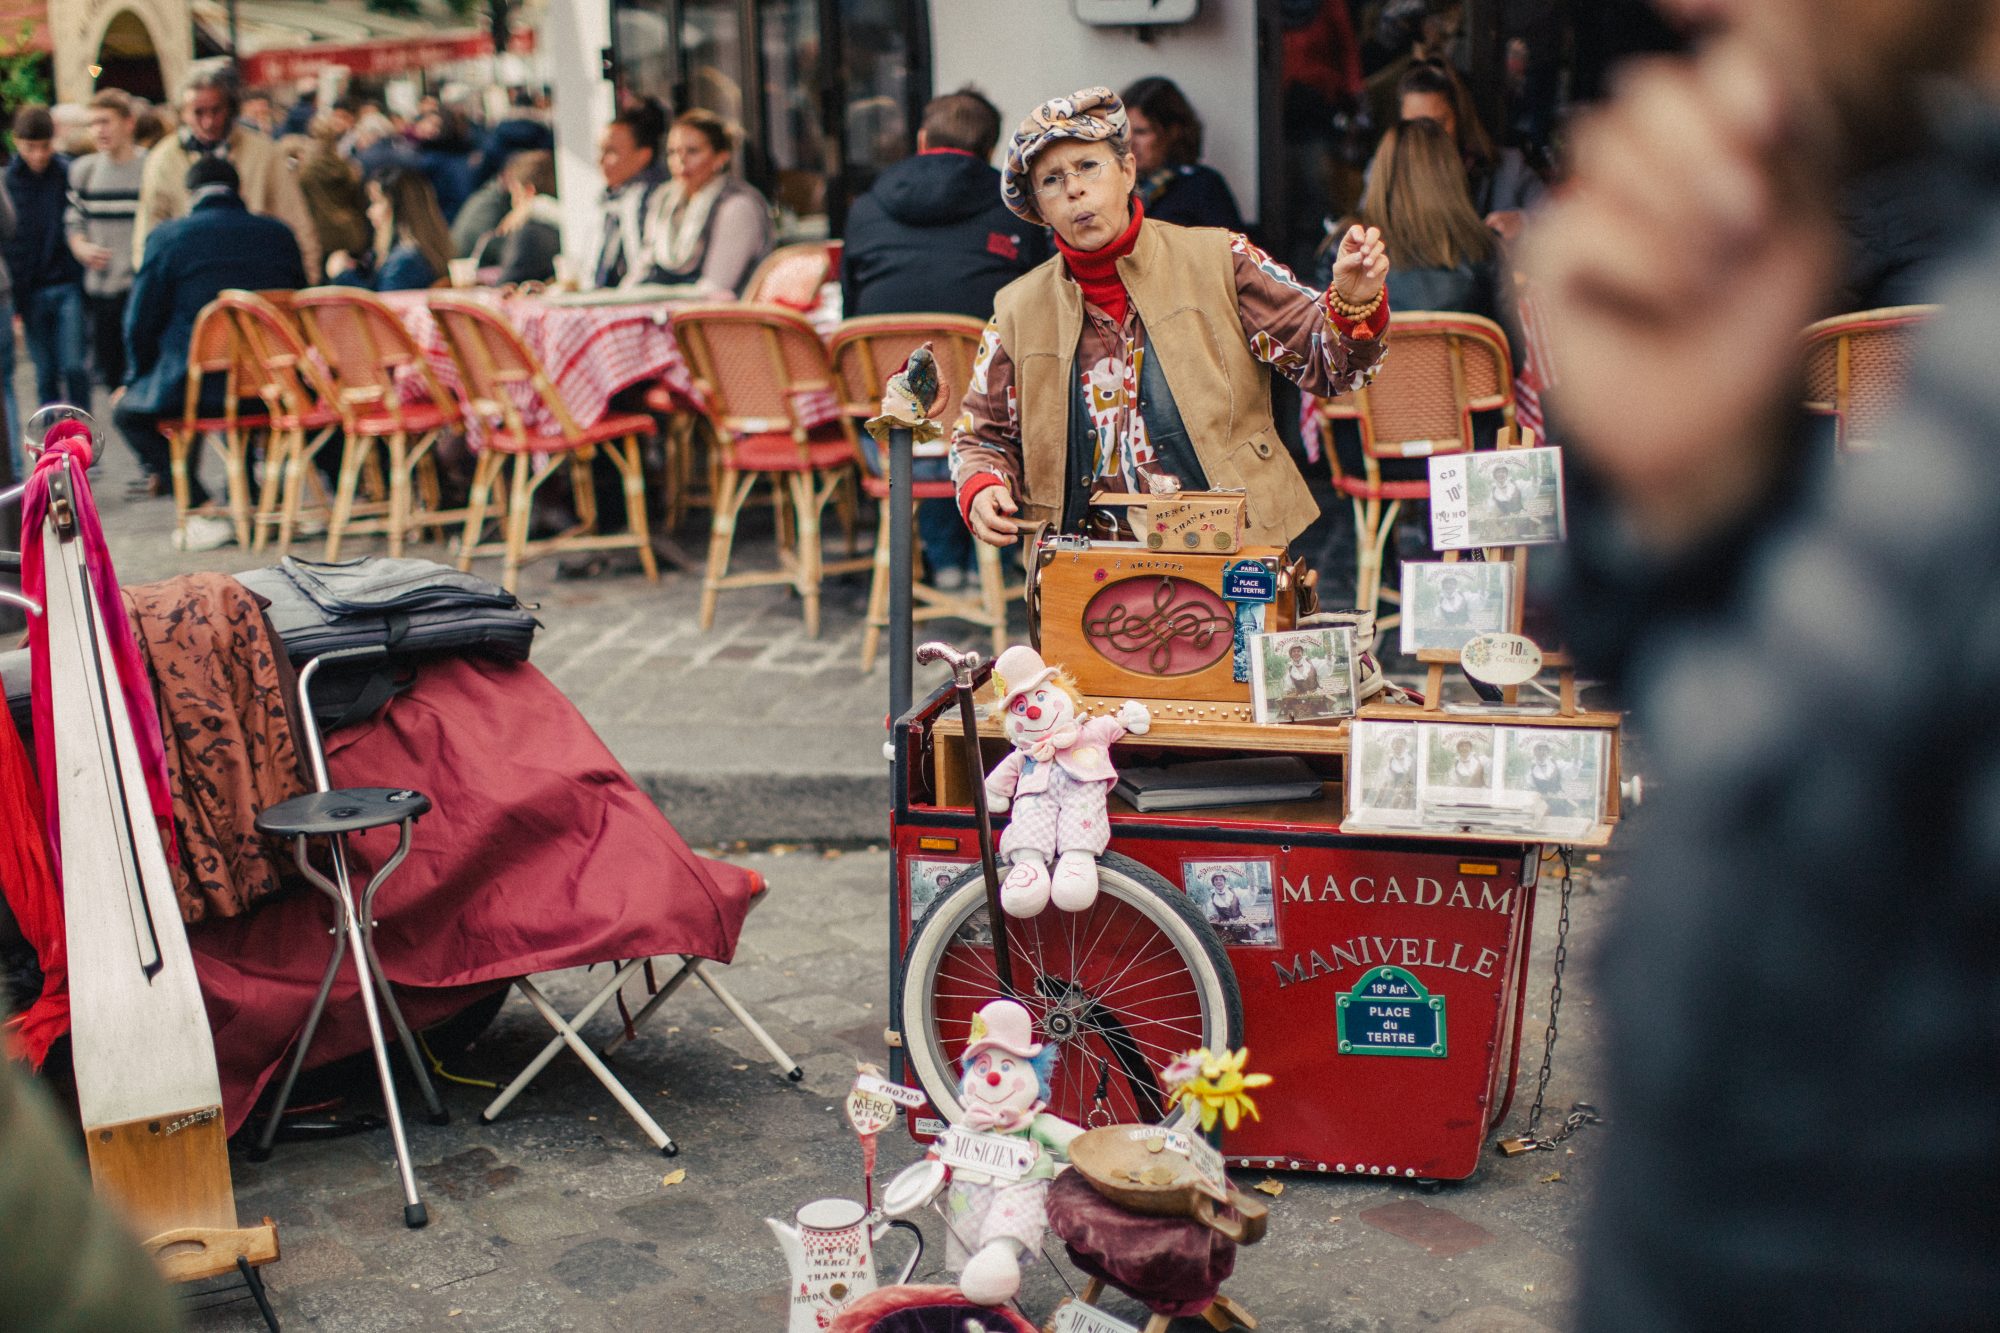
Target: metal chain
[[1580, 1113]]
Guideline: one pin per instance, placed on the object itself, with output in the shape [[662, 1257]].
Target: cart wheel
[[1120, 990]]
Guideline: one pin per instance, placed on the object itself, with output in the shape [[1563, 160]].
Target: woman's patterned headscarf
[[1091, 115]]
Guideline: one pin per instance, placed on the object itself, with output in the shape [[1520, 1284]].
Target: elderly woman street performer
[[1134, 361]]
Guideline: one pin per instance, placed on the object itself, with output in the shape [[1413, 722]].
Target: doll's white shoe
[[992, 1276], [1074, 886], [1025, 891]]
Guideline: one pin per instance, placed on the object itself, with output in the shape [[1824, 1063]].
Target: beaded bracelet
[[1350, 312]]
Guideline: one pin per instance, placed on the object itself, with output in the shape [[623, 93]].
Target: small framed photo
[[1458, 761], [1444, 605], [1236, 898], [1303, 675], [928, 882], [1383, 758], [1565, 769], [1510, 498]]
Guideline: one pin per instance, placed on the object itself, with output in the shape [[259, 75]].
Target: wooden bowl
[[1121, 1163]]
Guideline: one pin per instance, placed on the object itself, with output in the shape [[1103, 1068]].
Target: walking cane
[[964, 666]]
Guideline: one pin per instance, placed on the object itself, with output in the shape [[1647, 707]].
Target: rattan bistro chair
[[298, 403], [216, 351], [1444, 368], [866, 351], [493, 363], [1856, 367], [757, 368], [372, 360], [791, 276]]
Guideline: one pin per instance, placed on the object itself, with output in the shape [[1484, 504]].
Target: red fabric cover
[[877, 488], [614, 427], [1357, 486], [1096, 271], [777, 451], [539, 854], [923, 1309], [417, 417], [172, 426], [1170, 1265], [28, 879]]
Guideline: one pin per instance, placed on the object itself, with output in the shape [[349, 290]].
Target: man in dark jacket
[[48, 282], [190, 261], [1803, 1057], [931, 236]]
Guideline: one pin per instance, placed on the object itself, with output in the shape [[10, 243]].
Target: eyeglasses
[[1053, 184]]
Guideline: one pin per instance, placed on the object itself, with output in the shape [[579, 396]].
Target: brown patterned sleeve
[[1291, 328], [986, 438]]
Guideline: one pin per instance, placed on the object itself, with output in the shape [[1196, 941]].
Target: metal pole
[[902, 631]]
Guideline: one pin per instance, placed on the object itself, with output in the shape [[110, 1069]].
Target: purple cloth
[[1172, 1265]]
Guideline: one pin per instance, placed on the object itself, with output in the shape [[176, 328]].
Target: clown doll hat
[[1017, 671], [1002, 1025]]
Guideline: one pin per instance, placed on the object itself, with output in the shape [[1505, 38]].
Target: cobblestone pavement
[[556, 1217]]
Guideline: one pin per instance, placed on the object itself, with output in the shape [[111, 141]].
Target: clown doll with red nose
[[1057, 779], [995, 1218]]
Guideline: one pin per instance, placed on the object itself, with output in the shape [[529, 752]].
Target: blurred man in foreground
[[1804, 1052]]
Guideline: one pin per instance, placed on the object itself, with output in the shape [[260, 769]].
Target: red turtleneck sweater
[[1096, 271]]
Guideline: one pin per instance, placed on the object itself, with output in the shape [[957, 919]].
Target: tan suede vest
[[1183, 282]]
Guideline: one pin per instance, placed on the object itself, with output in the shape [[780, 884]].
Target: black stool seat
[[348, 810]]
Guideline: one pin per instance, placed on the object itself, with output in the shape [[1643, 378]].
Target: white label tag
[[1076, 1317], [1451, 503], [1002, 1156], [930, 1125], [895, 1092]]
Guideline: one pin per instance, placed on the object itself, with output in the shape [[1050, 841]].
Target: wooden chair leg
[[401, 480], [732, 488], [519, 502], [352, 453], [1092, 1289], [177, 471], [632, 467], [236, 474], [476, 503], [993, 592], [1224, 1314], [810, 507], [1365, 582], [583, 490], [297, 463], [878, 596]]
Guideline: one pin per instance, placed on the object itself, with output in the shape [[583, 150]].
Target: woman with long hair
[[708, 229], [412, 243], [1166, 142], [1502, 185], [1441, 256]]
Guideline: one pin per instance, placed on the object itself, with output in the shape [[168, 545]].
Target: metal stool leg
[[785, 1062], [269, 1135], [439, 1116], [556, 1043], [660, 997], [568, 1036]]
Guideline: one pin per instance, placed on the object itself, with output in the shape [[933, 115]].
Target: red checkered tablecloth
[[591, 353]]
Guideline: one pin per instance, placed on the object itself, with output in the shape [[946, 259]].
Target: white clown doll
[[992, 1224], [1057, 779]]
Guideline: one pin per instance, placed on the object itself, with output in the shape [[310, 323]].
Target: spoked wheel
[[1120, 990]]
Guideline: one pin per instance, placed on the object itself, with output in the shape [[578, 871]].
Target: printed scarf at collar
[[994, 1118], [677, 240]]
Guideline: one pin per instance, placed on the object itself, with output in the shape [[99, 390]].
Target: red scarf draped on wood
[[30, 885]]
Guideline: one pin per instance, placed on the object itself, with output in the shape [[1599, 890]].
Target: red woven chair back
[[217, 348], [868, 349], [289, 381], [493, 362], [752, 363], [791, 276], [1857, 366], [368, 352], [1441, 369]]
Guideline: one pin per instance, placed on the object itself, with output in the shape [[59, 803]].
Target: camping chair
[[758, 368], [215, 349], [370, 357], [298, 402], [1444, 368], [791, 276], [568, 1034], [866, 351], [493, 365], [1856, 367]]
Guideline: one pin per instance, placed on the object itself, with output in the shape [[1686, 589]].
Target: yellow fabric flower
[[1218, 1085]]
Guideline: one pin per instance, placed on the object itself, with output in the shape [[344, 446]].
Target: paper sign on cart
[[1003, 1157], [1076, 1317], [895, 1092], [1451, 503], [868, 1112]]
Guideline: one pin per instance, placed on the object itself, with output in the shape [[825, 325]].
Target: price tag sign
[[1076, 1317], [1002, 1157], [869, 1112], [1451, 503], [1501, 659], [895, 1092]]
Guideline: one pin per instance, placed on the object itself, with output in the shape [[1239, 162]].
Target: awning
[[376, 59]]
